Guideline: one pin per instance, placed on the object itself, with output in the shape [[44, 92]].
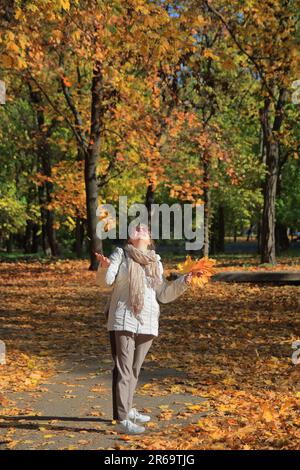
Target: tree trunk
[[282, 239], [79, 236], [217, 238], [44, 157], [213, 236], [27, 240], [206, 199], [41, 190], [258, 236], [35, 239], [234, 234], [221, 229], [9, 244], [31, 229], [268, 219], [270, 184], [79, 230], [149, 200], [91, 159], [51, 234]]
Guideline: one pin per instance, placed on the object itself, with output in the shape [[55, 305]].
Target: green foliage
[[186, 96], [288, 203], [13, 215]]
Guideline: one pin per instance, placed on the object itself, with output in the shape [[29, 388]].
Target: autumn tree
[[75, 57], [274, 65]]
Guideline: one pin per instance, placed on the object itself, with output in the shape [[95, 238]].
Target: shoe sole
[[122, 431]]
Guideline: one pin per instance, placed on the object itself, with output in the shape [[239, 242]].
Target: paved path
[[73, 409]]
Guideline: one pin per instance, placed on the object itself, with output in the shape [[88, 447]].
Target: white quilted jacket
[[120, 316]]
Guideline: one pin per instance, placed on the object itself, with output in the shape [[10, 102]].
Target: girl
[[133, 317]]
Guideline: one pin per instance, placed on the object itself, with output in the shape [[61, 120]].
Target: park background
[[165, 102]]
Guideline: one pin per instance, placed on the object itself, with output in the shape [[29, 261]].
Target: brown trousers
[[128, 352]]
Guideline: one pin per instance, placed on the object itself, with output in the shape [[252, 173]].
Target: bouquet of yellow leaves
[[202, 270]]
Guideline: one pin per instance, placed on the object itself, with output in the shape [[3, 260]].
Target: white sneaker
[[134, 416], [128, 427]]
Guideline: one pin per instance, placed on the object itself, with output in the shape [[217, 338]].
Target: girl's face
[[140, 243], [140, 238]]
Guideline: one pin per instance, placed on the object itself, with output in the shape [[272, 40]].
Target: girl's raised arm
[[101, 271], [112, 270]]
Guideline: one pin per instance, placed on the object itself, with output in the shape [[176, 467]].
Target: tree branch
[[239, 45], [72, 106], [73, 129]]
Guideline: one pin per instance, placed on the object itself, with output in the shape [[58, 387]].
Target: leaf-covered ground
[[234, 341]]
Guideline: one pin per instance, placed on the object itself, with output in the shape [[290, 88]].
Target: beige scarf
[[141, 264]]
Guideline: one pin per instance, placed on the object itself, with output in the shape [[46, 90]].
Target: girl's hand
[[104, 262], [189, 276]]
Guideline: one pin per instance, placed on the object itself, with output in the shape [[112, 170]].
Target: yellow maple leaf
[[201, 269], [186, 266]]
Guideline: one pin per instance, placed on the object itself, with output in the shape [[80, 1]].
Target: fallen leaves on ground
[[233, 341]]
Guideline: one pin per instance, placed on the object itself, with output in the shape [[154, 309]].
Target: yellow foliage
[[201, 270]]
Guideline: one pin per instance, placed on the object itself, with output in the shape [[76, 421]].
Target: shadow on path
[[73, 408]]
